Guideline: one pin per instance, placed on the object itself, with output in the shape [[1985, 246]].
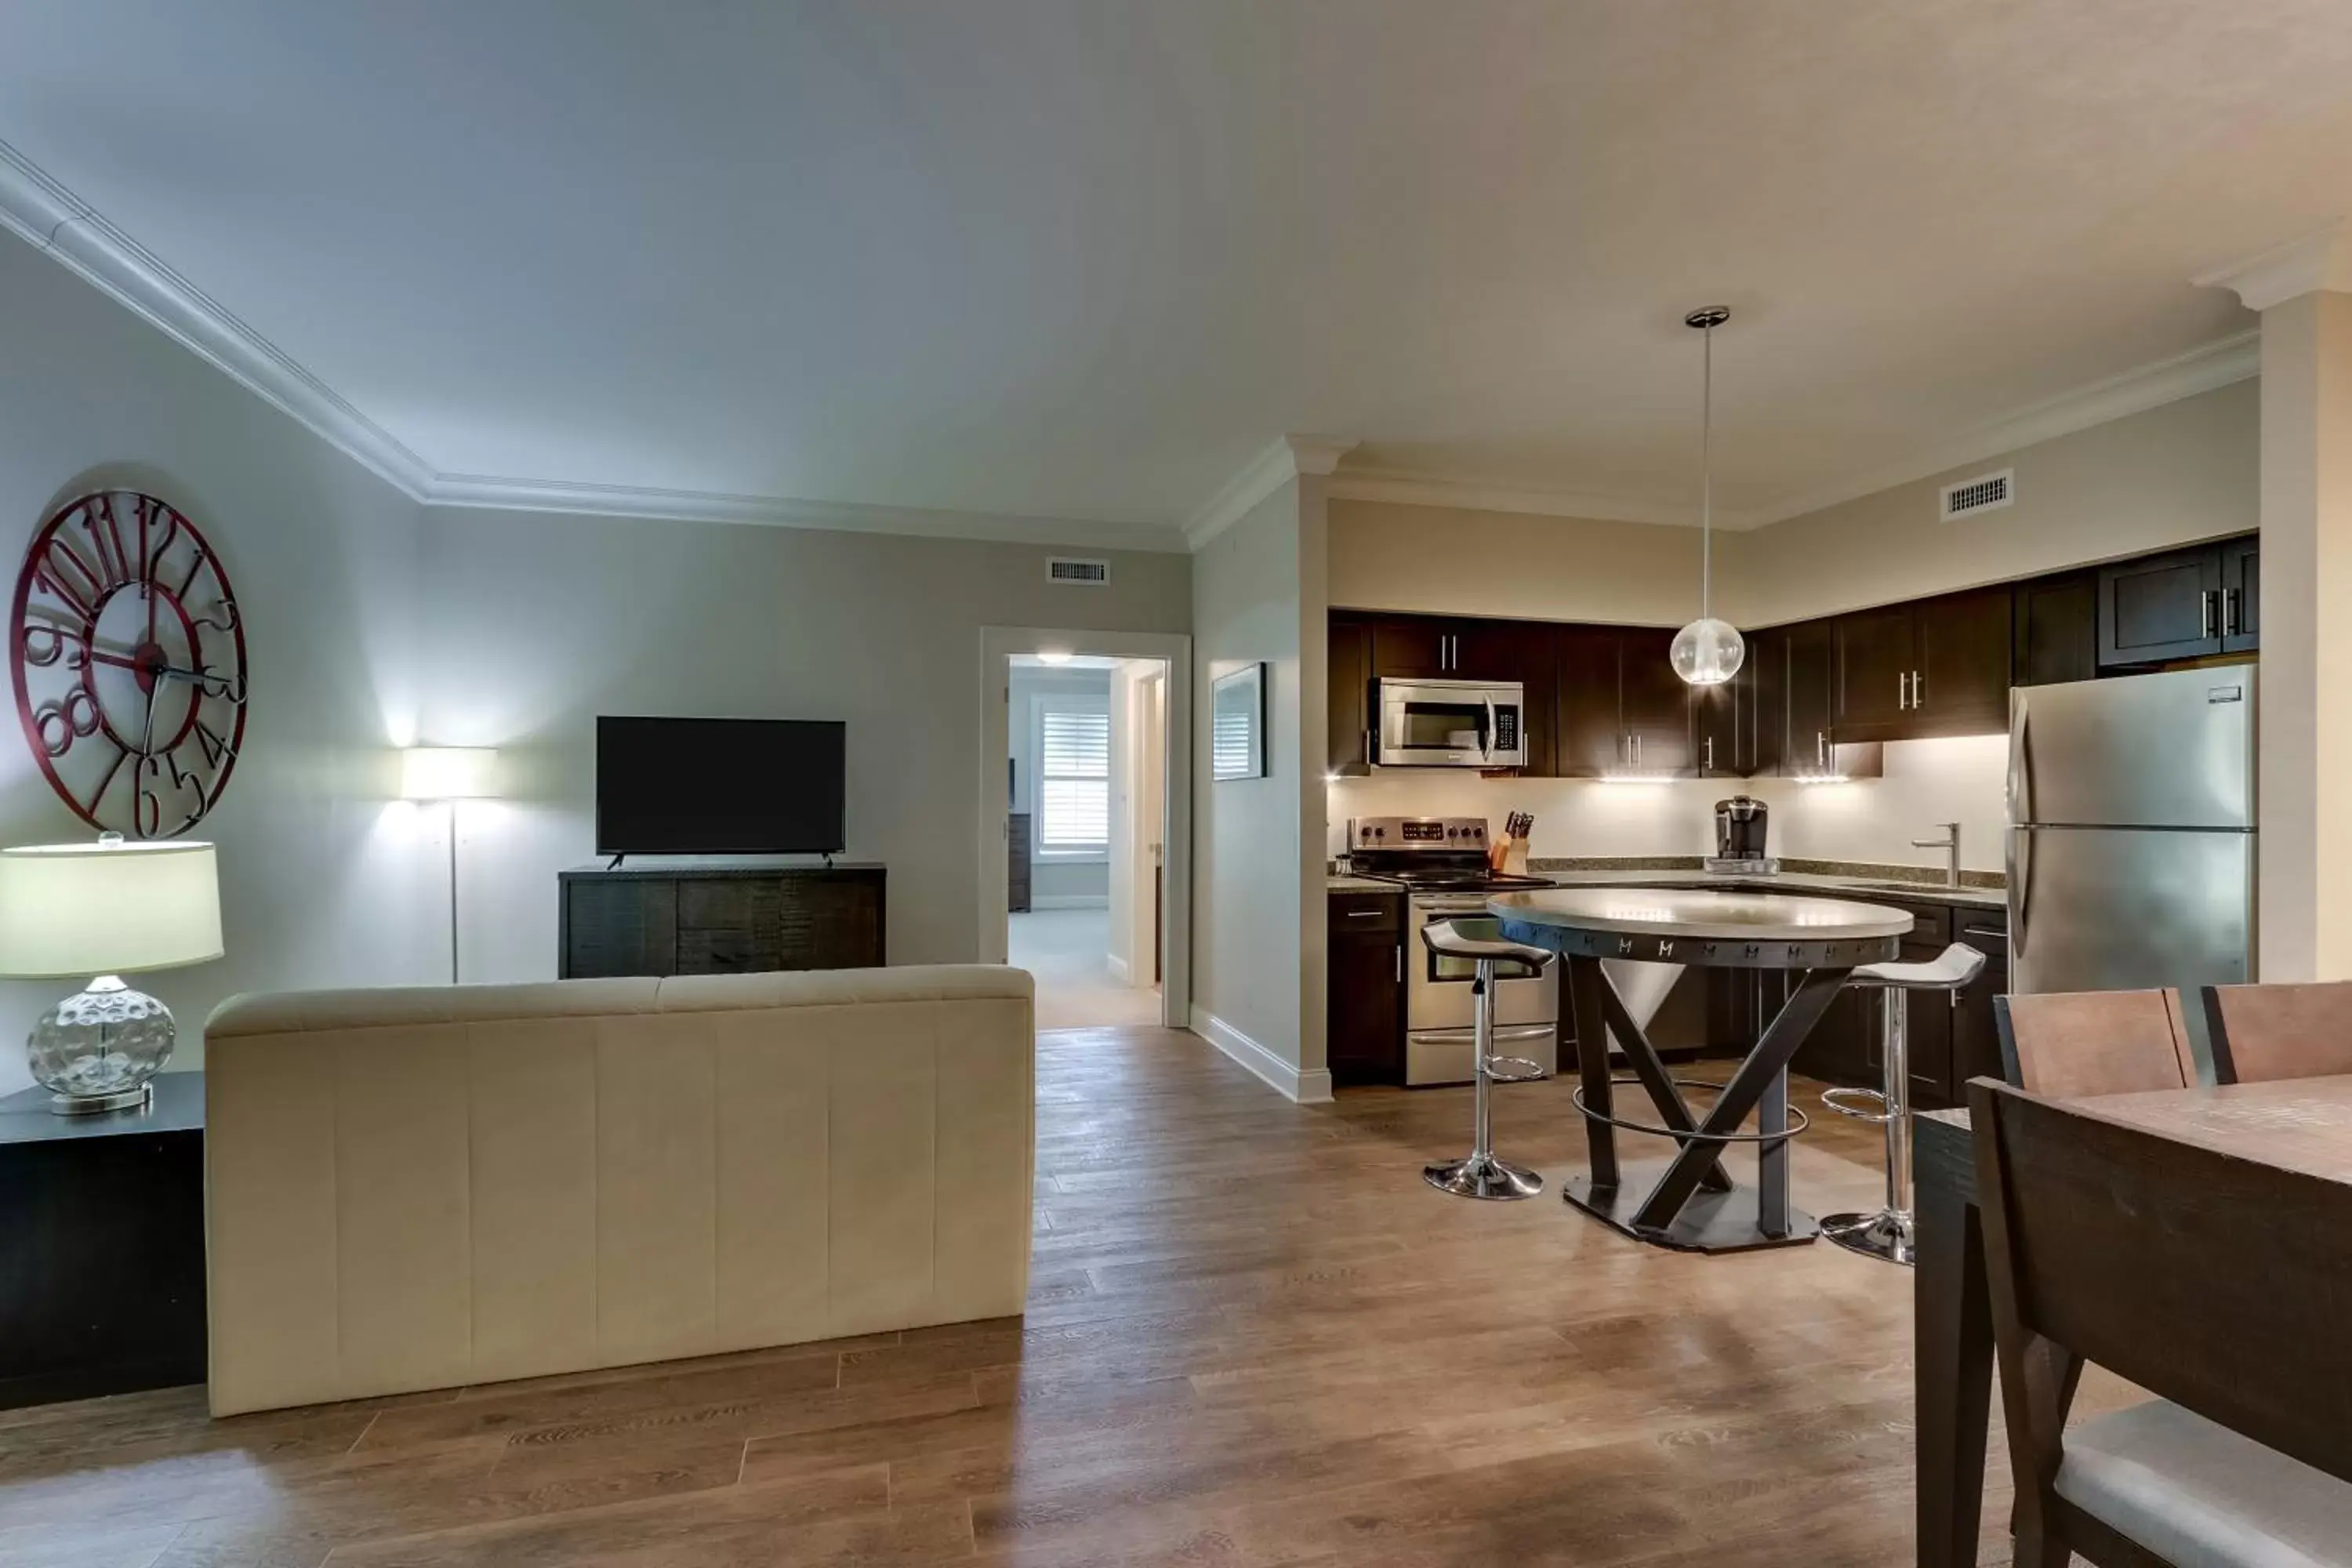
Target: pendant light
[[1708, 652]]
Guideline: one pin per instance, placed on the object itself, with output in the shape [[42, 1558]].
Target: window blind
[[1073, 779]]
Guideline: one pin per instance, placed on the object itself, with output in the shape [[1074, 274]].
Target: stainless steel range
[[1441, 863]]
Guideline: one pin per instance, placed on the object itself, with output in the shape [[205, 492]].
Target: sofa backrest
[[424, 1188]]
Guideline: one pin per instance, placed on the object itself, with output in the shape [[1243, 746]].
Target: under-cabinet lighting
[[1634, 779], [1823, 778]]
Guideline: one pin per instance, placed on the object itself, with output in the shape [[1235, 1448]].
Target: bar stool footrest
[[1512, 1070], [1879, 1111], [1657, 1130]]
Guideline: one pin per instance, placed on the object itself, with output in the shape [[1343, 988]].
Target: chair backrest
[[2094, 1042], [2265, 1032], [2213, 1281]]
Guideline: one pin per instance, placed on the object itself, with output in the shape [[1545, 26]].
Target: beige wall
[[1385, 556], [324, 880], [2306, 874], [2186, 471], [539, 623], [1257, 957]]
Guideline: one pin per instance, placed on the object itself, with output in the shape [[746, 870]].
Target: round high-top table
[[1689, 1201]]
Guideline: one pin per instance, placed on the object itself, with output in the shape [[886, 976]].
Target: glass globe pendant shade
[[1709, 652]]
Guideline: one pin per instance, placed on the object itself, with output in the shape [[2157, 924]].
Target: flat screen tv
[[719, 786]]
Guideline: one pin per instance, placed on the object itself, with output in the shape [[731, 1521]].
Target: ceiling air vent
[[1986, 492], [1067, 569]]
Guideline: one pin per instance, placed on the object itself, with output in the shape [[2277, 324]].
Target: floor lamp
[[449, 774]]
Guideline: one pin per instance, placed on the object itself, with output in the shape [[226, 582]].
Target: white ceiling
[[1070, 259]]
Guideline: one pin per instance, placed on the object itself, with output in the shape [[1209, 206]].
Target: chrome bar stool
[[1887, 1234], [1481, 1175]]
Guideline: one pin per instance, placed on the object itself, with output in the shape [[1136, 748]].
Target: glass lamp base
[[98, 1050]]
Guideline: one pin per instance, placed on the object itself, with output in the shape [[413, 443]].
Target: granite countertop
[[1983, 891]]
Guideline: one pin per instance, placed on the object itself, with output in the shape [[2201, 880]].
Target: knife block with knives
[[1507, 855]]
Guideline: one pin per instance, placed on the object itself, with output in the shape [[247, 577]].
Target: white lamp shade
[[114, 908], [448, 773]]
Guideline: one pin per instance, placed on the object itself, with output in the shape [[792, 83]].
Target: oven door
[[1452, 724], [1441, 1018]]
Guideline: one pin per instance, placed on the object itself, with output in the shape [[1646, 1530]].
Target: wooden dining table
[[2299, 1124]]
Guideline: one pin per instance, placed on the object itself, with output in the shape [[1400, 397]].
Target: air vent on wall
[[1067, 569], [1986, 492]]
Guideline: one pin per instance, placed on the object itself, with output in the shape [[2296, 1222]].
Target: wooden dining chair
[[2215, 1283], [2093, 1042], [2069, 1044]]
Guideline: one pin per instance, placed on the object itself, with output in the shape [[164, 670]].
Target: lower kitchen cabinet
[[1364, 1024], [1976, 1037]]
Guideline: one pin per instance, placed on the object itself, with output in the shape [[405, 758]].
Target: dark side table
[[101, 1246]]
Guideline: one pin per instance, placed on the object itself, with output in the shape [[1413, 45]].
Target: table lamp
[[449, 774], [107, 909]]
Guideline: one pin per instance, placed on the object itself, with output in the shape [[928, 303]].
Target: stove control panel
[[1419, 833]]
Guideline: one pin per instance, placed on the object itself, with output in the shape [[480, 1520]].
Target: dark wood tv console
[[720, 915]]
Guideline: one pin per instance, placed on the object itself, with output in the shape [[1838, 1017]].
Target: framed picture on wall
[[1237, 724]]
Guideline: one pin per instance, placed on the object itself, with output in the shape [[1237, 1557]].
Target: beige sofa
[[420, 1188]]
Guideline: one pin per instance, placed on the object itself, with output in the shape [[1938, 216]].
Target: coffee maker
[[1740, 826]]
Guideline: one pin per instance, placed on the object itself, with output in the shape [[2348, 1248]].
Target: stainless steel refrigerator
[[2131, 832]]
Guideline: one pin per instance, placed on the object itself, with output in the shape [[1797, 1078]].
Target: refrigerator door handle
[[2020, 890], [2020, 761]]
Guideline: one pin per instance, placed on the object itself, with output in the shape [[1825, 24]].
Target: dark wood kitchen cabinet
[[2055, 630], [1727, 720], [1538, 664], [1809, 698], [1976, 1037], [2242, 596], [2183, 605], [1621, 707], [1351, 716], [1365, 1005], [1935, 666], [1449, 648]]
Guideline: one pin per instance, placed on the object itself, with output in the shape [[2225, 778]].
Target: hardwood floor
[[1254, 1338]]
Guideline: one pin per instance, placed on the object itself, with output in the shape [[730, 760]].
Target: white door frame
[[997, 646]]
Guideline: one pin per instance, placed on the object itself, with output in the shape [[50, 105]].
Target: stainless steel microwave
[[1453, 724]]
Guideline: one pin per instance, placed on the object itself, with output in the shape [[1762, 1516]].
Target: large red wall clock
[[127, 656]]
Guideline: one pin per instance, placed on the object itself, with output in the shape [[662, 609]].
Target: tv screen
[[719, 786]]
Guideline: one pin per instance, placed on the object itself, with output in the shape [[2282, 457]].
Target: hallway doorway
[[1081, 832]]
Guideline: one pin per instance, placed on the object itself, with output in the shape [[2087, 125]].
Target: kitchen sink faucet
[[1950, 844]]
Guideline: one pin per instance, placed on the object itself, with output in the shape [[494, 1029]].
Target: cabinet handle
[[1821, 749], [1918, 691], [1365, 914], [2228, 612], [1902, 690], [1985, 931], [1709, 747], [2205, 609], [1400, 952]]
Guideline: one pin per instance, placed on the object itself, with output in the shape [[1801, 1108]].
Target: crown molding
[[2320, 260], [54, 220], [489, 493], [1403, 487], [1283, 460], [2200, 370]]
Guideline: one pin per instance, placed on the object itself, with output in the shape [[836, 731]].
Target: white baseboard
[[1070, 901], [1306, 1088]]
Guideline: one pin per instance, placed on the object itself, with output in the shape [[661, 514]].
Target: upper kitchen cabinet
[[2187, 603], [1876, 652], [1808, 658], [2241, 595], [1621, 707], [1936, 667], [1729, 720], [1961, 686], [1351, 656], [1429, 648], [2055, 629]]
